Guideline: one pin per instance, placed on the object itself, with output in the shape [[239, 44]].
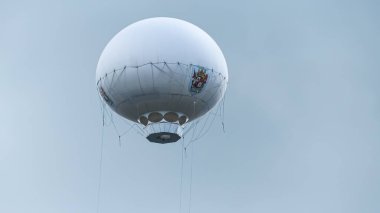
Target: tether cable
[[100, 166]]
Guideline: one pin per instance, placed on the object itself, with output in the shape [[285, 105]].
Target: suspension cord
[[100, 166], [191, 175], [180, 190], [224, 98]]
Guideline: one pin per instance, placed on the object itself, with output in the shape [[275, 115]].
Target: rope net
[[177, 75]]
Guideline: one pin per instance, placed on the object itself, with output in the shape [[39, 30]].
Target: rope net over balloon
[[194, 121]]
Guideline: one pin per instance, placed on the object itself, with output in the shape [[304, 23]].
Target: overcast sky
[[302, 112]]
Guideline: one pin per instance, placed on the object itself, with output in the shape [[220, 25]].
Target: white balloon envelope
[[162, 73]]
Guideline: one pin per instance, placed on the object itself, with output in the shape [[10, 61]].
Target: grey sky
[[302, 111]]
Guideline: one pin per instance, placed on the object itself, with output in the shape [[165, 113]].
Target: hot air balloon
[[162, 73]]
